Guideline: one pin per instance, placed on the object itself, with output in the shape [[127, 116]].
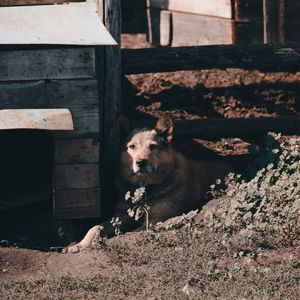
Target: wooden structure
[[200, 22], [273, 58], [86, 80], [61, 57]]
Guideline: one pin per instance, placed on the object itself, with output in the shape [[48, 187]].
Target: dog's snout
[[141, 163]]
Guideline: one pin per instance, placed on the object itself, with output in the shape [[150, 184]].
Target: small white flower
[[127, 196]]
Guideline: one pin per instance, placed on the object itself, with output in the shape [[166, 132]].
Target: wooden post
[[274, 21], [112, 76], [111, 13], [281, 22]]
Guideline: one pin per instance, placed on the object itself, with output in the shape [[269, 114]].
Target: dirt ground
[[25, 245]]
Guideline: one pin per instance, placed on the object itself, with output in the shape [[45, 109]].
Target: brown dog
[[173, 184]]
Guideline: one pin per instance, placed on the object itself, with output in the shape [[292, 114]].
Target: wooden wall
[[61, 78]]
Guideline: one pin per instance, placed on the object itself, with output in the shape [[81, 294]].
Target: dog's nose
[[141, 163]]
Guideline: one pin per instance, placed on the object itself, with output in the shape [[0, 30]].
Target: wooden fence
[[267, 57]]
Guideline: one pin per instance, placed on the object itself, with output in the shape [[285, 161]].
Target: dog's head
[[146, 156]]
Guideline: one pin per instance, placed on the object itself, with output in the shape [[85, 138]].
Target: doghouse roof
[[71, 24]]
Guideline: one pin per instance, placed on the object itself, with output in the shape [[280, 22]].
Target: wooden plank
[[182, 29], [248, 33], [67, 63], [70, 204], [13, 201], [77, 198], [248, 10], [242, 127], [281, 21], [34, 2], [292, 24], [275, 58], [159, 27], [216, 8], [271, 19], [76, 150], [187, 29], [43, 119], [50, 19], [196, 30], [79, 96], [76, 176], [292, 31], [77, 213]]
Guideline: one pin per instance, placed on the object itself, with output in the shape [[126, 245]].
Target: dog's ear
[[122, 127], [164, 127]]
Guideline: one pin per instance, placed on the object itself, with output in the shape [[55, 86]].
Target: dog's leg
[[86, 241]]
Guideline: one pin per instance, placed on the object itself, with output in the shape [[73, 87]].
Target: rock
[[193, 286]]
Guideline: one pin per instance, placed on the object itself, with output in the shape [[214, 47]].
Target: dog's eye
[[132, 147], [153, 147]]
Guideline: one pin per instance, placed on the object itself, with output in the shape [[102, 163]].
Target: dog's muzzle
[[141, 166]]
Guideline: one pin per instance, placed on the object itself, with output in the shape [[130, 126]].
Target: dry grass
[[159, 264]]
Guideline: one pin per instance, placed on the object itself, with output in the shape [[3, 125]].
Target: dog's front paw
[[73, 249]]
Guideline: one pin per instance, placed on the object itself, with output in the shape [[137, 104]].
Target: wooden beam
[[285, 57], [34, 2], [243, 127]]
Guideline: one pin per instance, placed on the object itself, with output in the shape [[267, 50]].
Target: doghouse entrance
[[25, 168]]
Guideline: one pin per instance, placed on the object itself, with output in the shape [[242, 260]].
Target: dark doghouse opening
[[26, 168], [25, 184]]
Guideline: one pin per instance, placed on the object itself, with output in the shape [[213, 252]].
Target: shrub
[[264, 208]]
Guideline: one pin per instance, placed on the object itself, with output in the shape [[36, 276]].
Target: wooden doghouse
[[52, 63], [202, 22]]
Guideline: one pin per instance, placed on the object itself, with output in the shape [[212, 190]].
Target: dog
[[173, 183]]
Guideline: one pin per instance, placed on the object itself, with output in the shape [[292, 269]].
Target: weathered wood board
[[216, 8], [272, 58], [67, 63], [72, 204], [42, 119], [76, 176], [159, 30], [177, 29], [248, 10], [79, 96], [73, 24], [76, 150], [190, 30], [34, 2], [292, 12]]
